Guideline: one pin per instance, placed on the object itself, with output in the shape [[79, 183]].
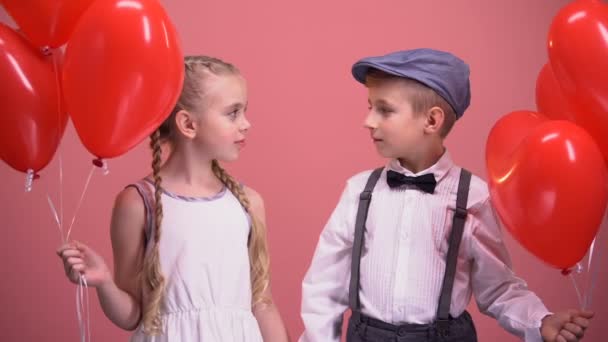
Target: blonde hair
[[421, 97], [197, 72]]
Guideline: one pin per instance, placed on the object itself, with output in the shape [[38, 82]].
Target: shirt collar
[[439, 169]]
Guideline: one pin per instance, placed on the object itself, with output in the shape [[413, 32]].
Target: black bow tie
[[425, 182]]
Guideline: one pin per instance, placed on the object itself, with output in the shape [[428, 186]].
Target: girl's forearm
[[119, 306], [271, 324]]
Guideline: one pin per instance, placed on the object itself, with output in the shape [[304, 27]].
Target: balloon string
[[578, 292], [84, 191], [82, 309]]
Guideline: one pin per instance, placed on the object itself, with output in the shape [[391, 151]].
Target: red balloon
[[31, 122], [550, 99], [549, 185], [578, 52], [46, 22], [123, 74]]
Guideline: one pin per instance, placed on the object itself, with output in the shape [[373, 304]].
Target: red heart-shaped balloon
[[550, 99], [578, 52], [123, 73], [549, 185], [46, 22], [32, 121]]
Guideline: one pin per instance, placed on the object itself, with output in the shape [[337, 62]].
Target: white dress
[[205, 262]]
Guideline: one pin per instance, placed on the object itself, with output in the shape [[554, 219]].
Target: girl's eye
[[234, 114]]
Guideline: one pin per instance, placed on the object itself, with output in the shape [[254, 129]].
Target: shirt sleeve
[[325, 286], [498, 292]]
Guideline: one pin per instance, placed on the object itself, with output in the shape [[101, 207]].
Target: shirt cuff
[[532, 334]]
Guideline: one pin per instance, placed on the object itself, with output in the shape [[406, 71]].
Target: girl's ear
[[185, 123]]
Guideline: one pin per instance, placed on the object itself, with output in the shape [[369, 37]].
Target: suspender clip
[[443, 327], [460, 213], [365, 195]]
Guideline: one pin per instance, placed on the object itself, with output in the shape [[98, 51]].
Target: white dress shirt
[[404, 257]]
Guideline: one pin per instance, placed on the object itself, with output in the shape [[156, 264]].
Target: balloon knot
[[101, 163], [46, 50]]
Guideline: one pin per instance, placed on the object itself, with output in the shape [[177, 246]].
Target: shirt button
[[401, 331]]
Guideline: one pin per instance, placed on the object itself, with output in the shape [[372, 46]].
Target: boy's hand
[[565, 326]]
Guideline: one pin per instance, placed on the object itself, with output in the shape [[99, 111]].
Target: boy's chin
[[385, 153]]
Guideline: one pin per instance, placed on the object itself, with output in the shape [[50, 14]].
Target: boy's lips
[[240, 143]]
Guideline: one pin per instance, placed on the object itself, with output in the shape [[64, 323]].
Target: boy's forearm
[[119, 306]]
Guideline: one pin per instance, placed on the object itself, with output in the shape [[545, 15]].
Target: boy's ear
[[434, 120], [185, 123]]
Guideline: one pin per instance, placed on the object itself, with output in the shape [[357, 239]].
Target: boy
[[408, 261]]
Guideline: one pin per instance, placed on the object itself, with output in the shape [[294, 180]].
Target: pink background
[[307, 139]]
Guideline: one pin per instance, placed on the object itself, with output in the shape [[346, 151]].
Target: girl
[[189, 242]]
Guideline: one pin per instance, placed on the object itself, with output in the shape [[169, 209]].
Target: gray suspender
[[364, 199], [443, 310]]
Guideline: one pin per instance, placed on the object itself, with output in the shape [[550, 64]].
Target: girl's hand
[[80, 259]]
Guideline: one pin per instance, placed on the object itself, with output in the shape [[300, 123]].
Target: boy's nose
[[369, 122]]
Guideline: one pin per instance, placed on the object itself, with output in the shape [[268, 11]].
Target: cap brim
[[361, 68]]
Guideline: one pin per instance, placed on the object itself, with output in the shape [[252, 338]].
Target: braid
[[257, 245], [153, 277], [231, 184]]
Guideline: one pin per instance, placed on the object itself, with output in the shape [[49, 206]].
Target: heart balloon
[[550, 100], [32, 121], [549, 185], [123, 73], [578, 52], [46, 22]]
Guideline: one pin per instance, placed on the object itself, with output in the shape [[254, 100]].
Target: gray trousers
[[366, 329]]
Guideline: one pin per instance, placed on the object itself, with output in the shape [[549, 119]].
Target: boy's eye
[[384, 110]]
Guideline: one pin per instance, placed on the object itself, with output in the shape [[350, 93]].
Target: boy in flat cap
[[408, 261]]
